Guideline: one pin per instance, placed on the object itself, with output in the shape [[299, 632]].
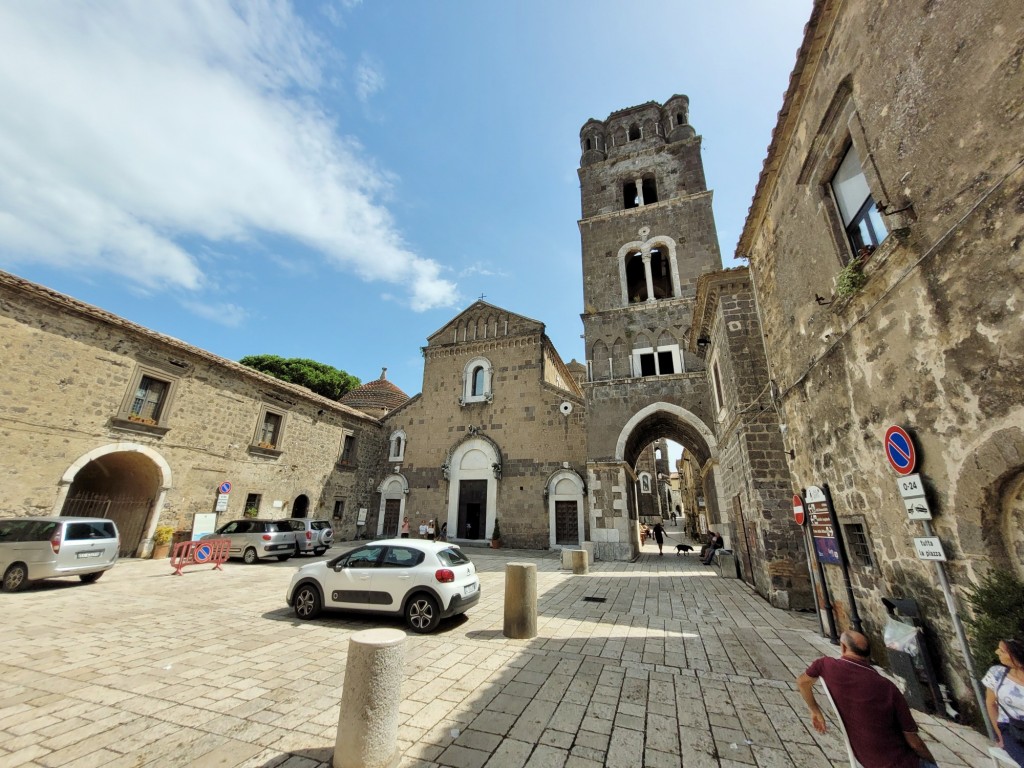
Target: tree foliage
[[323, 379], [998, 606]]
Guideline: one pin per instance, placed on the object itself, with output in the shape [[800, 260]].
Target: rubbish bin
[[915, 668], [727, 565]]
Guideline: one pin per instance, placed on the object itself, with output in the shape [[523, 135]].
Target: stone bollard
[[368, 721], [520, 600], [580, 566]]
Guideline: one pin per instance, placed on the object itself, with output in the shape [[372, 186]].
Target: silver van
[[253, 540], [34, 548]]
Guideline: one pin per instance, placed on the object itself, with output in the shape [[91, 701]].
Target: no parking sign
[[899, 450]]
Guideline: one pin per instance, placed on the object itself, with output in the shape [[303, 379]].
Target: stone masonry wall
[[932, 341]]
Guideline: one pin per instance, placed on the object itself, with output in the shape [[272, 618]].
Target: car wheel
[[249, 556], [422, 614], [15, 578], [89, 578], [319, 551], [307, 602], [282, 558]]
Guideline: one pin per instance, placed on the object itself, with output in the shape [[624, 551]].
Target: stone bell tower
[[647, 233]]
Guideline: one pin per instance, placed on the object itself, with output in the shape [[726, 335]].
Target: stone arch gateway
[[126, 482]]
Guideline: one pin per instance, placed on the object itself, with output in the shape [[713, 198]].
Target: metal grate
[[595, 599]]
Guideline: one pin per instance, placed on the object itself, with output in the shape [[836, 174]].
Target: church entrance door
[[392, 509], [566, 527], [472, 509]]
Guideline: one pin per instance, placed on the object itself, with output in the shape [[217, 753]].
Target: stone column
[[368, 720], [640, 191], [520, 601], [580, 566], [646, 256]]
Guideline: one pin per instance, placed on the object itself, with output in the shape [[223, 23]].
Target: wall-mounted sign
[[911, 488], [798, 510], [929, 548], [899, 450], [823, 531], [224, 488], [222, 502]]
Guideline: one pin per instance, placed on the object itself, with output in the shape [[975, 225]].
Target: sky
[[337, 180]]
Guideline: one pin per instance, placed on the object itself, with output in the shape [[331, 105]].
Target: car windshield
[[452, 557]]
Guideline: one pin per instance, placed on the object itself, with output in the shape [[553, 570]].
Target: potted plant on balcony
[[162, 541], [496, 535]]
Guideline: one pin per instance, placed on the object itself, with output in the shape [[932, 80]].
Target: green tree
[[323, 379], [998, 606]]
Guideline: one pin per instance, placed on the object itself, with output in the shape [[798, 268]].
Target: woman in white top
[[1004, 698]]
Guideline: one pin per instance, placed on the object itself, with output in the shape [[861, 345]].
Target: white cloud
[[369, 79], [480, 269], [130, 128], [230, 315]]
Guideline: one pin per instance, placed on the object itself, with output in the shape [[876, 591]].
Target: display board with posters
[[823, 532]]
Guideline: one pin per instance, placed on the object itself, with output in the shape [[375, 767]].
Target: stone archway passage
[[121, 486], [300, 507]]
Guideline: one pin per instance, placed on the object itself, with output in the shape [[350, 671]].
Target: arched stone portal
[[126, 482], [614, 524], [393, 490], [474, 467]]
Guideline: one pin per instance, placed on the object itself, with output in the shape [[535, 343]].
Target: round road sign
[[202, 553], [798, 510], [224, 488], [899, 450]]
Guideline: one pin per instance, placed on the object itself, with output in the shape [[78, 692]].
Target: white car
[[424, 581]]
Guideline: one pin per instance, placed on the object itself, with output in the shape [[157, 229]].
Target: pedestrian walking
[[877, 719], [423, 529], [405, 528], [1004, 699], [430, 529], [659, 536]]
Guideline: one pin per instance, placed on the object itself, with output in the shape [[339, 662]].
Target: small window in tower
[[478, 382], [647, 367], [661, 277], [679, 118], [630, 197], [666, 363], [636, 278], [634, 132], [650, 191], [588, 144]]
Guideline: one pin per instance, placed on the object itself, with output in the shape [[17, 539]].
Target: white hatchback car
[[424, 581]]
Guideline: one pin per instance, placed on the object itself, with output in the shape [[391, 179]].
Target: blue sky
[[336, 180]]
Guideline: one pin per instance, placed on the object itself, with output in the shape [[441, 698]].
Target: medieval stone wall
[[67, 372], [930, 97]]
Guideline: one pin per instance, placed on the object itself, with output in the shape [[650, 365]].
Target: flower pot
[[160, 551], [495, 543]]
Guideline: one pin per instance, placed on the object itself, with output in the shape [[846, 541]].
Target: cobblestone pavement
[[676, 666]]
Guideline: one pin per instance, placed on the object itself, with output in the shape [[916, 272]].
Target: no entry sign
[[798, 510], [899, 450]]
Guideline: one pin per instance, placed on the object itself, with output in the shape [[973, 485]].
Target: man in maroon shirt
[[878, 722]]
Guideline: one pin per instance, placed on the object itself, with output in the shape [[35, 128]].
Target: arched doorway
[[564, 492], [300, 507], [474, 469], [125, 483], [393, 491]]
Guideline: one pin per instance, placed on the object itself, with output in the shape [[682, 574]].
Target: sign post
[[800, 516], [820, 529], [902, 457]]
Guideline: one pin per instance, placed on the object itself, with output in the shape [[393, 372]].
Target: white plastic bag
[[901, 637]]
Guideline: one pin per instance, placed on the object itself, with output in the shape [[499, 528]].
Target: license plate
[[471, 589], [82, 555]]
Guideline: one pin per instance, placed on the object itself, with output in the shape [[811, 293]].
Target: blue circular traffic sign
[[899, 450], [202, 553], [224, 488]]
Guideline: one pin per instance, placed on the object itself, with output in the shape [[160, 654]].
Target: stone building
[[884, 242], [673, 348], [100, 416], [496, 434]]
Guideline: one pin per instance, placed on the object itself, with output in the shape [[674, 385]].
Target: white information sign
[[202, 524], [929, 548], [918, 509], [910, 486], [222, 502]]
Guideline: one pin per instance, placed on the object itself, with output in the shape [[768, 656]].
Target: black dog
[[681, 548]]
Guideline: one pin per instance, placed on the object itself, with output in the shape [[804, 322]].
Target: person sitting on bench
[[708, 550]]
